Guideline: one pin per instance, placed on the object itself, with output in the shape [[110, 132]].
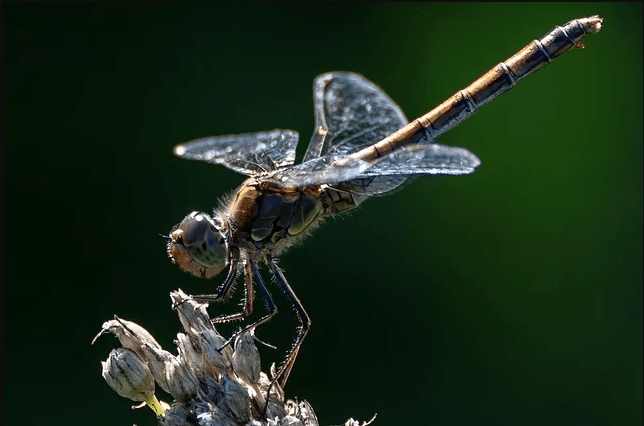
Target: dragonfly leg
[[305, 323], [251, 272], [225, 290], [225, 287]]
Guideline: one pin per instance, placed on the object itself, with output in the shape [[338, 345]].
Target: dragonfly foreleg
[[225, 290]]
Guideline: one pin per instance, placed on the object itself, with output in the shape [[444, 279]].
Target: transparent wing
[[384, 174], [247, 153], [323, 170], [418, 160], [413, 161], [352, 112]]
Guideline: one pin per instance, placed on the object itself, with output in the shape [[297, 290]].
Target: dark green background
[[511, 296]]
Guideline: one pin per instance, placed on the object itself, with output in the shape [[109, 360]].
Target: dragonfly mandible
[[363, 146]]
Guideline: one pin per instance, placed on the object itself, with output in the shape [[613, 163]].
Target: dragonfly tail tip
[[593, 24]]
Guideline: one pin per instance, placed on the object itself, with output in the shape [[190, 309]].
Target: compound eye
[[203, 240]]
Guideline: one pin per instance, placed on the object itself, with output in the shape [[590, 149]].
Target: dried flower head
[[211, 384]]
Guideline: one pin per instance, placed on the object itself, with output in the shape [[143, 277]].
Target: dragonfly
[[362, 146]]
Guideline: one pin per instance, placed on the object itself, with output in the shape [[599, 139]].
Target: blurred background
[[510, 296]]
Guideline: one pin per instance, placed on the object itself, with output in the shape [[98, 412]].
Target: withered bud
[[246, 360], [192, 314], [190, 352], [236, 401], [181, 380], [216, 358], [128, 375], [130, 334]]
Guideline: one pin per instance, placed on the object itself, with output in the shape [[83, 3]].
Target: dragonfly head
[[199, 245]]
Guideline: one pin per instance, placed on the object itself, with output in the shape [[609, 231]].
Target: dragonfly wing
[[385, 174], [322, 170], [351, 113], [420, 160], [248, 153], [410, 162]]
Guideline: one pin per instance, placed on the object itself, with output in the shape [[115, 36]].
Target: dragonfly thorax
[[268, 216], [199, 246]]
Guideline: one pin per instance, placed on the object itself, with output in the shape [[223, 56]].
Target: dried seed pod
[[211, 385], [246, 358], [128, 375], [182, 380]]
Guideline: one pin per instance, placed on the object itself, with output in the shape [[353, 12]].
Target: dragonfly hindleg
[[305, 322]]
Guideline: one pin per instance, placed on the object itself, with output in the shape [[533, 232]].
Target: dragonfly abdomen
[[495, 82]]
